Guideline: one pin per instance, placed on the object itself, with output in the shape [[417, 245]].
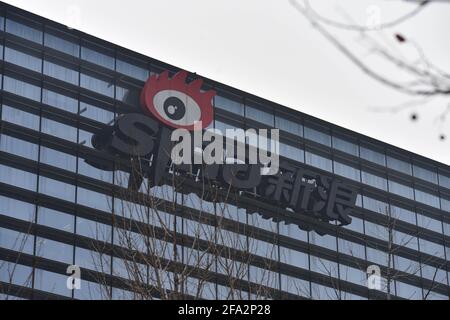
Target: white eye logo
[[176, 103]]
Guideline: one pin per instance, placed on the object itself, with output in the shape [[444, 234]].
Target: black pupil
[[174, 108]]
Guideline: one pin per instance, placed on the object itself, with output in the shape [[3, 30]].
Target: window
[[51, 282], [294, 258], [444, 181], [21, 88], [325, 267], [61, 73], [289, 126], [405, 240], [53, 250], [60, 101], [129, 95], [16, 274], [347, 171], [376, 231], [56, 219], [345, 146], [319, 161], [59, 130], [445, 204], [23, 31], [399, 165], [291, 152], [95, 113], [403, 214], [353, 275], [425, 174], [377, 256], [132, 70], [57, 189], [356, 225], [373, 156], [408, 291], [229, 105], [401, 189], [62, 45], [93, 260], [434, 274], [19, 147], [432, 248], [18, 178], [94, 230], [406, 265], [97, 58], [16, 241], [295, 286], [259, 116], [374, 180], [429, 223], [352, 249], [427, 198], [23, 60], [58, 159], [94, 199], [317, 136], [375, 205], [326, 241], [100, 86], [19, 117], [91, 291], [87, 170], [17, 209]]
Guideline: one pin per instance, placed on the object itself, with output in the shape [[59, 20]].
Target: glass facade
[[59, 88]]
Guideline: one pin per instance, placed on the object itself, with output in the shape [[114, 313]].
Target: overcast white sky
[[266, 48]]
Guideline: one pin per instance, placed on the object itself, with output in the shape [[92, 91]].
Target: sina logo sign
[[173, 136]]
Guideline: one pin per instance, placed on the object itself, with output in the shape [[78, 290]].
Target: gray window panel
[[425, 174], [399, 165], [21, 88], [56, 219], [428, 199], [60, 72], [429, 223], [295, 286], [377, 256], [325, 267], [444, 181], [57, 189], [96, 113], [18, 178], [401, 189], [92, 260], [326, 241], [405, 240], [53, 250], [353, 275], [94, 230], [259, 116], [289, 126], [122, 295], [356, 225], [100, 86], [437, 275], [94, 200], [319, 161], [374, 180], [432, 248], [94, 173], [51, 282], [62, 45], [229, 105], [91, 291], [352, 249], [23, 60], [373, 156], [58, 159], [19, 117], [131, 70], [194, 201], [294, 258], [345, 146], [85, 138], [320, 292], [293, 231], [375, 205], [408, 291], [19, 147], [23, 31], [376, 231], [97, 58], [445, 204], [447, 233], [17, 209], [435, 296], [59, 130], [318, 136], [403, 214], [406, 265], [16, 241], [16, 274], [264, 277], [59, 101], [291, 152], [347, 171], [128, 96]]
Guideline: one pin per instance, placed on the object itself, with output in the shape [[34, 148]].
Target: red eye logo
[[176, 103]]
